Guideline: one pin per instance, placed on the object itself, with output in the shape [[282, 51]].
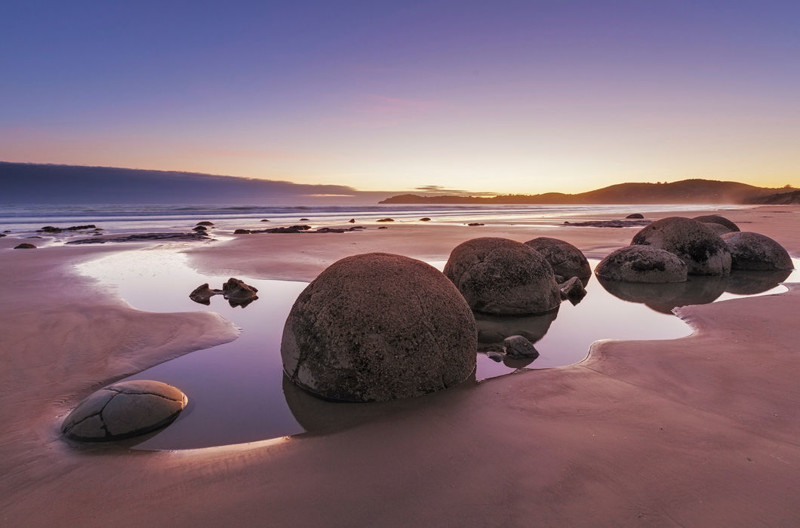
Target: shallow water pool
[[237, 391]]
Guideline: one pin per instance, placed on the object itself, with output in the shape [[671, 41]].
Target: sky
[[496, 96]]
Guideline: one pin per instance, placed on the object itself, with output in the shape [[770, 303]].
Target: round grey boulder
[[696, 244], [379, 327], [642, 264], [123, 410], [756, 252], [504, 277], [717, 220], [565, 259]]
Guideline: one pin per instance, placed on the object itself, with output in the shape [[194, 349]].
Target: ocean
[[25, 220]]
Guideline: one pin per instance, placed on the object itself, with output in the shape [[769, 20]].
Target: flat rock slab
[[123, 410], [141, 237]]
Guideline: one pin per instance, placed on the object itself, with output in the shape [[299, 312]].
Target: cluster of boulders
[[670, 249], [234, 290], [379, 327]]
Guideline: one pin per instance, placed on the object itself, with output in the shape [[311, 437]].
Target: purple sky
[[506, 96]]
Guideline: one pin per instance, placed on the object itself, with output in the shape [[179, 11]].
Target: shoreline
[[624, 437]]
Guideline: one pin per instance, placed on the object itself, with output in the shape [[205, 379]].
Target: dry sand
[[700, 431]]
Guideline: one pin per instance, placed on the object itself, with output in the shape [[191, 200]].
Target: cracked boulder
[[123, 410], [696, 244], [379, 327], [756, 252], [642, 264], [566, 260], [503, 277]]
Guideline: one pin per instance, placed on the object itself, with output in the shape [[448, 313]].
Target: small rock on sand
[[25, 246]]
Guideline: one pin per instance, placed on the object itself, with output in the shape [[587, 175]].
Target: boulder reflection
[[664, 298], [492, 329]]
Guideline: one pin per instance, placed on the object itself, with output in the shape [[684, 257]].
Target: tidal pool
[[237, 391]]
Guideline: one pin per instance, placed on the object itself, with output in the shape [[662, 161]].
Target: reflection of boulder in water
[[493, 329], [317, 415], [751, 282], [517, 362], [664, 297]]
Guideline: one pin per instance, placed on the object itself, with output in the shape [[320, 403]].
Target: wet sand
[[700, 431]]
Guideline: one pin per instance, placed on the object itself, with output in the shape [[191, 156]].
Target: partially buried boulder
[[566, 260], [642, 264], [25, 246], [378, 327], [123, 410], [717, 220], [501, 276], [634, 216], [693, 242], [756, 252]]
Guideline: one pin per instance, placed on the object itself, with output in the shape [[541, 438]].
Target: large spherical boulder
[[123, 410], [378, 327], [717, 220], [703, 251], [757, 252], [504, 277], [642, 264], [566, 260]]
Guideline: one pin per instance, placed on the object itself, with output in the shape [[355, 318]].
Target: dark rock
[[49, 229], [123, 410], [573, 290], [565, 259], [242, 232], [426, 219], [290, 229], [475, 224], [495, 356], [142, 237], [304, 220], [634, 216], [383, 227], [517, 346], [238, 293], [352, 221], [609, 223], [642, 264], [703, 251], [501, 276], [718, 220], [385, 220], [25, 246], [205, 223], [379, 327], [202, 294], [330, 230], [264, 220], [756, 252], [2, 235], [83, 227], [199, 229]]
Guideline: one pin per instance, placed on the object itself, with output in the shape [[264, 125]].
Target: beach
[[698, 431]]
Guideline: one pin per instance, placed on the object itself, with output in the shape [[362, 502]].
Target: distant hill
[[685, 191], [31, 183], [784, 198]]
